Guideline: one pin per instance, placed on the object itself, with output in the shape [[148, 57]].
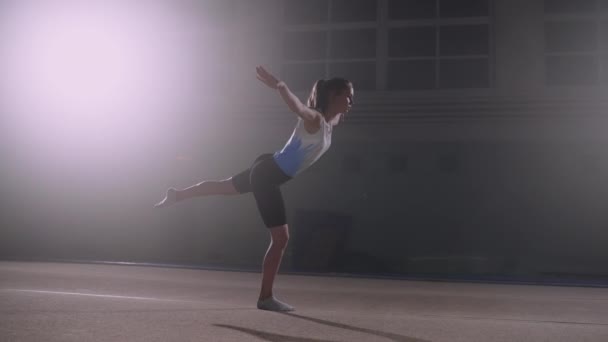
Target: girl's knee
[[280, 235]]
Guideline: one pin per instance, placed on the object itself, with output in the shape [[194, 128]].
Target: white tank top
[[303, 149]]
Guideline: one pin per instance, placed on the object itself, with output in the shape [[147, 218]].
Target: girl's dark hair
[[321, 91]]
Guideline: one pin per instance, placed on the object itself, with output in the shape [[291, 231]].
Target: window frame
[[599, 19], [382, 59]]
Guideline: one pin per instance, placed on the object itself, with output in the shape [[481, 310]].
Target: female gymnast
[[327, 104]]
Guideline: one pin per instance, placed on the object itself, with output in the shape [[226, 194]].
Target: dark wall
[[504, 208]]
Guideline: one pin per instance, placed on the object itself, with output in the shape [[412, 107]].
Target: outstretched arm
[[292, 101]]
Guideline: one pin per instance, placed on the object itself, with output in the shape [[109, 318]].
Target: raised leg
[[205, 188]]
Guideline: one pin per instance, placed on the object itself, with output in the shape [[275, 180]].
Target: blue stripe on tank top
[[290, 159]]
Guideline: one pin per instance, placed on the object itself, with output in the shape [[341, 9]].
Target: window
[[298, 12], [412, 9], [428, 9], [576, 44], [352, 11], [361, 74], [463, 8], [412, 42], [425, 50], [343, 46], [307, 45], [569, 6], [353, 44], [431, 44], [463, 40], [302, 76]]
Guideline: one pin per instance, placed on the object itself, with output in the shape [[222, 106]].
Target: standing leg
[[272, 261], [266, 178]]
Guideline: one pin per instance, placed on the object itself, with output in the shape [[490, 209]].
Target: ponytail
[[313, 98]]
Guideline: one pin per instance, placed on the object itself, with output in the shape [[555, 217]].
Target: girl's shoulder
[[313, 126]]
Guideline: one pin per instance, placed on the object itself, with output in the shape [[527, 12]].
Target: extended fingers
[[267, 82], [264, 76], [261, 71], [264, 73]]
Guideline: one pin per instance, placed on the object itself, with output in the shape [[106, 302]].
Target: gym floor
[[103, 302]]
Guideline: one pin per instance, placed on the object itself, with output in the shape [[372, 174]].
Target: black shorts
[[264, 179]]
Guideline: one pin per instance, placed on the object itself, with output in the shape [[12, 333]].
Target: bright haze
[[100, 102], [93, 84]]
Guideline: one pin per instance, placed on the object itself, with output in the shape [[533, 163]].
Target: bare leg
[[272, 261], [205, 188]]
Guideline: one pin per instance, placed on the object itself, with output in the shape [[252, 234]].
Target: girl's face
[[343, 101]]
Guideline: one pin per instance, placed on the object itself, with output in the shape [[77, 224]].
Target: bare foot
[[170, 198], [273, 304]]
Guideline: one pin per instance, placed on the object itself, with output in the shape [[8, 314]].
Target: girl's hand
[[267, 78]]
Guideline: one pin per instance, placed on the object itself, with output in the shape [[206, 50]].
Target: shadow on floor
[[391, 336], [270, 336], [284, 338]]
